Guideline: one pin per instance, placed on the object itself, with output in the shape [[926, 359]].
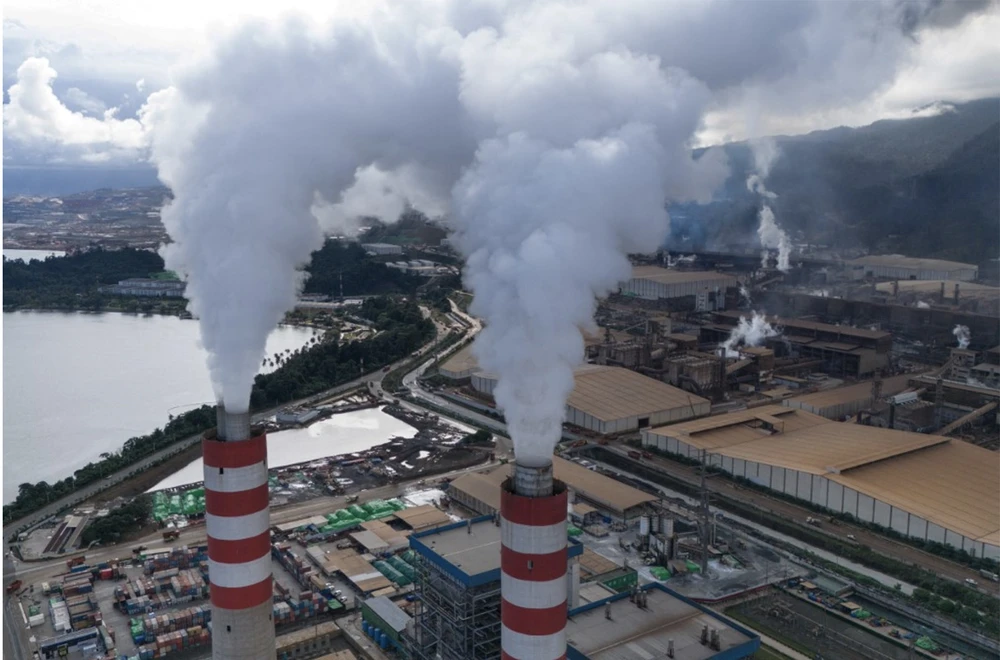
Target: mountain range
[[926, 186]]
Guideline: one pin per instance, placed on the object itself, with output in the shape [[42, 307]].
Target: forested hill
[[926, 186]]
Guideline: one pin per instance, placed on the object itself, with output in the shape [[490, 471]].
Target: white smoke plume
[[963, 335], [745, 295], [772, 237], [749, 332], [922, 305], [550, 134]]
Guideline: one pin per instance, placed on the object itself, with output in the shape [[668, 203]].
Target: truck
[[352, 499], [634, 454], [815, 522], [171, 534], [14, 586], [75, 561], [989, 575]]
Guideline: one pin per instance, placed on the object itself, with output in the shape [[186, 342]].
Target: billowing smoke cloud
[[963, 335], [772, 237], [552, 134], [749, 332]]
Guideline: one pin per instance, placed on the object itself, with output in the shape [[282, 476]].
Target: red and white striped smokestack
[[533, 565], [239, 540]]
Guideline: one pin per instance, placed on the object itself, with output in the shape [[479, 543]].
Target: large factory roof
[[850, 393], [590, 484], [468, 550], [948, 482], [933, 287], [634, 633], [666, 276], [953, 484], [900, 261], [610, 393], [831, 448], [733, 428]]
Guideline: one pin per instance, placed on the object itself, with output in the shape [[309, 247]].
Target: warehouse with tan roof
[[611, 400], [924, 486], [480, 491]]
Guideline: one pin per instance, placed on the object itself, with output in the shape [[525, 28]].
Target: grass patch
[[734, 613], [767, 653]]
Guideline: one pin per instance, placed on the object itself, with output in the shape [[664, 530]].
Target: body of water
[[76, 385], [340, 434], [28, 255]]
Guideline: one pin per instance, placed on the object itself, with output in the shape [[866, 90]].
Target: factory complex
[[460, 589], [926, 487], [480, 491]]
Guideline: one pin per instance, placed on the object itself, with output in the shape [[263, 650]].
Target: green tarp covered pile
[[189, 503], [659, 572]]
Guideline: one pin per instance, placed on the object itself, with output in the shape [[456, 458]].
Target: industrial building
[[838, 350], [840, 402], [386, 617], [480, 492], [458, 617], [459, 366], [655, 283], [144, 287], [656, 622], [458, 588], [382, 248], [898, 267], [609, 400], [922, 486]]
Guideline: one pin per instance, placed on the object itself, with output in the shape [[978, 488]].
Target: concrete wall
[[835, 497]]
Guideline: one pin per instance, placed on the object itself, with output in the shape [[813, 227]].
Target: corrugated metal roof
[[900, 261], [953, 485], [610, 393], [732, 428], [665, 276], [851, 393], [422, 517], [587, 483], [389, 612]]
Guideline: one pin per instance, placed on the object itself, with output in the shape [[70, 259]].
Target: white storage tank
[[644, 526]]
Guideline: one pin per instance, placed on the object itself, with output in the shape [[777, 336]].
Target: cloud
[[78, 98], [36, 118]]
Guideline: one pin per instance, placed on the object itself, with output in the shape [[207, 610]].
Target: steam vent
[[533, 565], [239, 553]]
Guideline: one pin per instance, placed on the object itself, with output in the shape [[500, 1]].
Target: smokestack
[[237, 522], [956, 292], [533, 557], [941, 294]]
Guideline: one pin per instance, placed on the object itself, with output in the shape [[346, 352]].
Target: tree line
[[321, 366], [124, 519]]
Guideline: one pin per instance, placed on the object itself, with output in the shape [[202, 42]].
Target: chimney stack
[[237, 522], [670, 648], [956, 292], [533, 558]]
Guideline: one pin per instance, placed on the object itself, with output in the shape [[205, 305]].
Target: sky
[[96, 63]]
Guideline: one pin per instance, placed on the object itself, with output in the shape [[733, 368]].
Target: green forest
[[402, 329], [73, 281]]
